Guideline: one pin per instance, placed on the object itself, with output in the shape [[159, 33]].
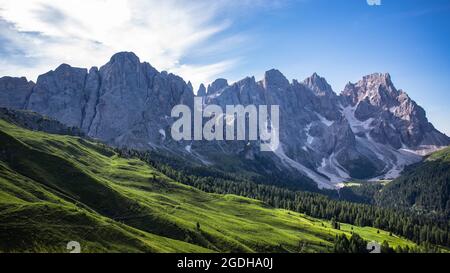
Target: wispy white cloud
[[38, 35], [198, 73]]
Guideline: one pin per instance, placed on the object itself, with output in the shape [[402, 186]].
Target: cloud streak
[[38, 35]]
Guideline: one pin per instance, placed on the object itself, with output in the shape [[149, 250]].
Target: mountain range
[[370, 131]]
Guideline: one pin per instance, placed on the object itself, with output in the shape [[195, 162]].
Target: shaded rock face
[[60, 94], [37, 122], [133, 102], [14, 92], [323, 98], [370, 130], [201, 91], [124, 103], [216, 86]]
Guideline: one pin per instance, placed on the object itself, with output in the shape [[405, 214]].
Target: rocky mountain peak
[[93, 69], [246, 81], [124, 56], [201, 90], [6, 80], [389, 115], [217, 85], [63, 67], [378, 77], [64, 70], [376, 88], [275, 79], [378, 82], [318, 84], [189, 84]]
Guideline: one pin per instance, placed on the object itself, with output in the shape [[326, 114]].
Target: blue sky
[[341, 40]]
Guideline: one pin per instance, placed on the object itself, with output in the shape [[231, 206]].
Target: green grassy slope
[[55, 189], [441, 155]]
